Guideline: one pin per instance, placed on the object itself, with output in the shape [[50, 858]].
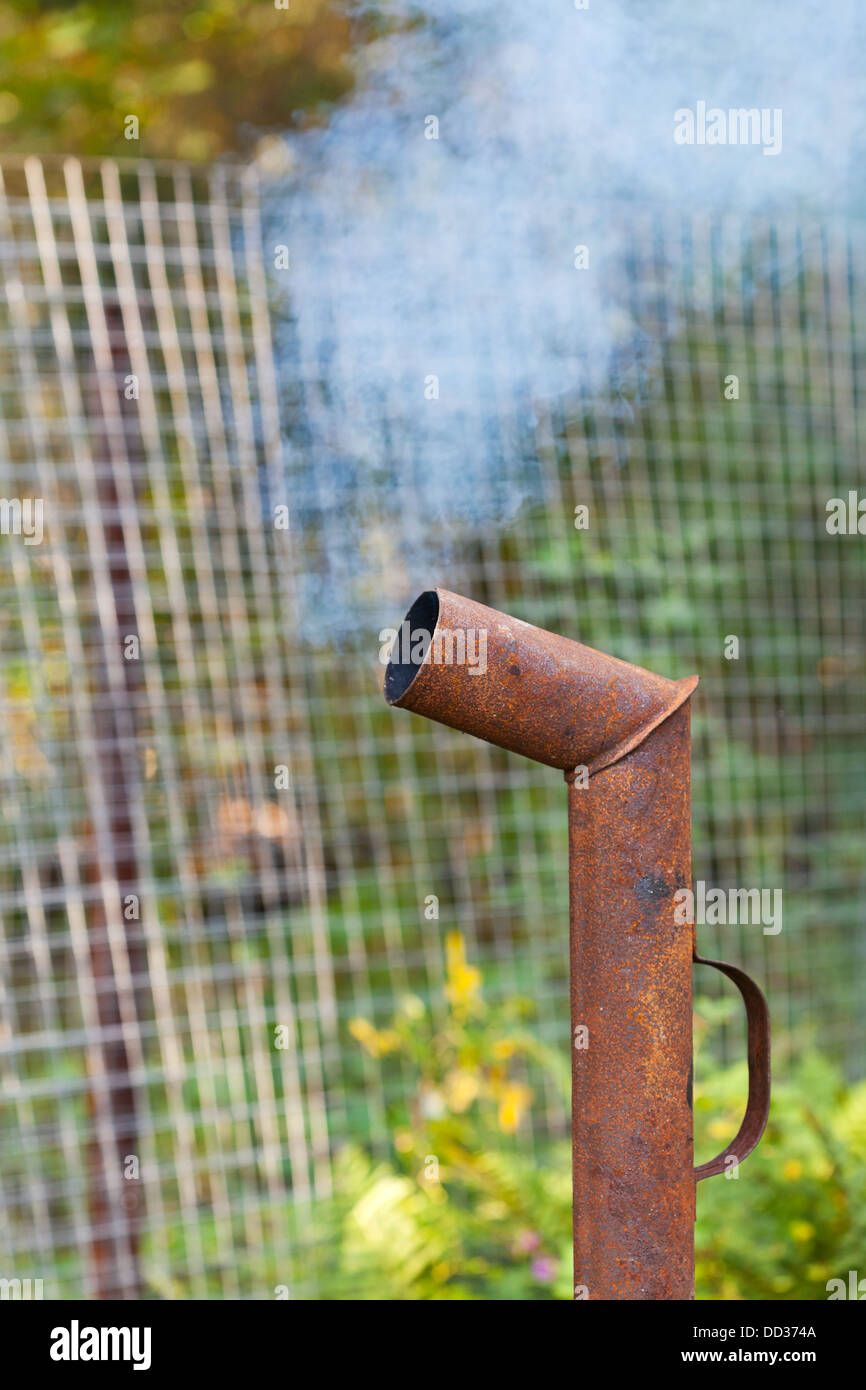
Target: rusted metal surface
[[621, 736], [631, 989], [541, 695]]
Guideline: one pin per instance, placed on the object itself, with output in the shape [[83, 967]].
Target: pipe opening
[[411, 644]]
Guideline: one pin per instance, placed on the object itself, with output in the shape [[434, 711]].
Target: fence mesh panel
[[217, 842]]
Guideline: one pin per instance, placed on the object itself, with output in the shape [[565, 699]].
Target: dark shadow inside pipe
[[411, 644]]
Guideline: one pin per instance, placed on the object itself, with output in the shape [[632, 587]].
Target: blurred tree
[[201, 78]]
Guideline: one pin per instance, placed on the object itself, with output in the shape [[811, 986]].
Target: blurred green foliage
[[202, 78], [463, 1209], [796, 1216]]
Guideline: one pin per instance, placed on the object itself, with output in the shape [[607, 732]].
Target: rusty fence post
[[621, 736], [631, 1001]]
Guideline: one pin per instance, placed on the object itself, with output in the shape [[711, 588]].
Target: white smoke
[[453, 259]]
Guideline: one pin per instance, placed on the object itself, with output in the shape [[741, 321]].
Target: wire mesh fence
[[219, 847]]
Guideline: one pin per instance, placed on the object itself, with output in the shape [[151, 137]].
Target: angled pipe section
[[522, 688], [621, 737]]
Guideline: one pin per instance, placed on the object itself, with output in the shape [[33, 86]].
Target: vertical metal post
[[631, 1005]]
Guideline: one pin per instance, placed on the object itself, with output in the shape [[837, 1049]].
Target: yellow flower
[[464, 981], [374, 1042], [802, 1230], [513, 1102], [362, 1030], [494, 1210], [503, 1049], [792, 1169], [461, 1089]]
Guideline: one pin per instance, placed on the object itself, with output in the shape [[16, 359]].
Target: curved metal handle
[[758, 1046]]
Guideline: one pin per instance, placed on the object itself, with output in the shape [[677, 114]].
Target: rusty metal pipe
[[631, 991], [621, 736], [541, 695]]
